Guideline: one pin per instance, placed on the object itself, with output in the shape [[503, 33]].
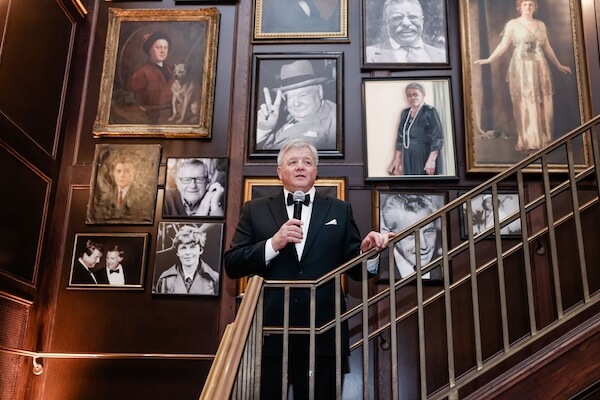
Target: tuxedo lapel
[[317, 220], [277, 208]]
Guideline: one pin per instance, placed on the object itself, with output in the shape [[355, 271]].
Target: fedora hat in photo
[[298, 74]]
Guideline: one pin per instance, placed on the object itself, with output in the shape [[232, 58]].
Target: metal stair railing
[[379, 311]]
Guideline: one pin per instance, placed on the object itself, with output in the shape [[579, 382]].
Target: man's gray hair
[[297, 144]]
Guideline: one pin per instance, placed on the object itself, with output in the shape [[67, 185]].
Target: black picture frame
[[377, 51], [384, 99], [167, 259], [217, 176], [422, 204], [131, 247], [327, 74], [138, 203], [483, 217], [277, 21]]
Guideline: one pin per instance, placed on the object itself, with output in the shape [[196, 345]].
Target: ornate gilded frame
[[194, 36]]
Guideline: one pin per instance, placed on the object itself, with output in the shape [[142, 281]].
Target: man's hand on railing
[[376, 240]]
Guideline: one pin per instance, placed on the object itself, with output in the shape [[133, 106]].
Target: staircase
[[515, 314]]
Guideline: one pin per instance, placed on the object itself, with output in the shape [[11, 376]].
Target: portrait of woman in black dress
[[420, 137]]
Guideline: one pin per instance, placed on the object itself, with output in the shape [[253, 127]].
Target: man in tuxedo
[[270, 242], [403, 20], [113, 273], [89, 256]]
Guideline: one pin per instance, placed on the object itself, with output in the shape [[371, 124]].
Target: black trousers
[[270, 386]]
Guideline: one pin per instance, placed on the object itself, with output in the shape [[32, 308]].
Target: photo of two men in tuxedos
[[108, 260]]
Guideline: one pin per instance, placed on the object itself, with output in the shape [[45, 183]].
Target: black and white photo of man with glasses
[[195, 187]]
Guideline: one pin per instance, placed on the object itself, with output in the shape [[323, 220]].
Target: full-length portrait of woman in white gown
[[529, 77]]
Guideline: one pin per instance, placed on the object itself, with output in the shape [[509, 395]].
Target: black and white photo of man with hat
[[310, 116]]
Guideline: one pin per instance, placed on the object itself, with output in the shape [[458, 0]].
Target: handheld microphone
[[298, 197]]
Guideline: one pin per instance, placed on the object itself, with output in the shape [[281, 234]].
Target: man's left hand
[[376, 240]]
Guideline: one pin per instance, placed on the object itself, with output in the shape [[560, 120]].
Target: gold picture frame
[[285, 21], [139, 99], [492, 119], [261, 187]]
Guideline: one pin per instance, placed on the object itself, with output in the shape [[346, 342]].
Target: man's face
[[123, 174], [113, 260], [191, 182], [159, 51], [428, 235], [91, 260], [404, 23], [189, 254], [298, 170], [304, 102]]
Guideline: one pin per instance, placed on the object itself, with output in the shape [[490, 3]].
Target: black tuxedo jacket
[[81, 274], [333, 238]]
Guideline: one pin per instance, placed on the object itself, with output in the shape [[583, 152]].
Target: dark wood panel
[[24, 208], [33, 86]]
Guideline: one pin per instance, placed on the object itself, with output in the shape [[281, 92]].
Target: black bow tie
[[290, 199], [114, 271]]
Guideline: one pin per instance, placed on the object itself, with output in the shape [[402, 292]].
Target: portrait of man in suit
[[292, 16], [402, 37], [273, 241], [124, 184]]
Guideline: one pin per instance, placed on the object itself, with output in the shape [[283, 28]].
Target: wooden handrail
[[221, 377]]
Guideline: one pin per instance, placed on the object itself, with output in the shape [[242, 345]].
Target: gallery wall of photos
[[380, 71]]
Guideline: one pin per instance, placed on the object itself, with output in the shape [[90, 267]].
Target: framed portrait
[[296, 96], [124, 184], [300, 21], [263, 187], [409, 129], [108, 260], [396, 211], [482, 214], [195, 188], [404, 34], [524, 86], [188, 258], [159, 71]]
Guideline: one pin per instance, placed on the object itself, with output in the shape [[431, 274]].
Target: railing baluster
[[420, 317], [448, 303], [393, 327], [526, 254], [474, 291], [365, 331], [552, 237], [338, 337], [286, 342], [577, 221], [312, 345], [500, 263]]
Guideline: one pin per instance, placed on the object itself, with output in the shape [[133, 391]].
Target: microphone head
[[298, 196]]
